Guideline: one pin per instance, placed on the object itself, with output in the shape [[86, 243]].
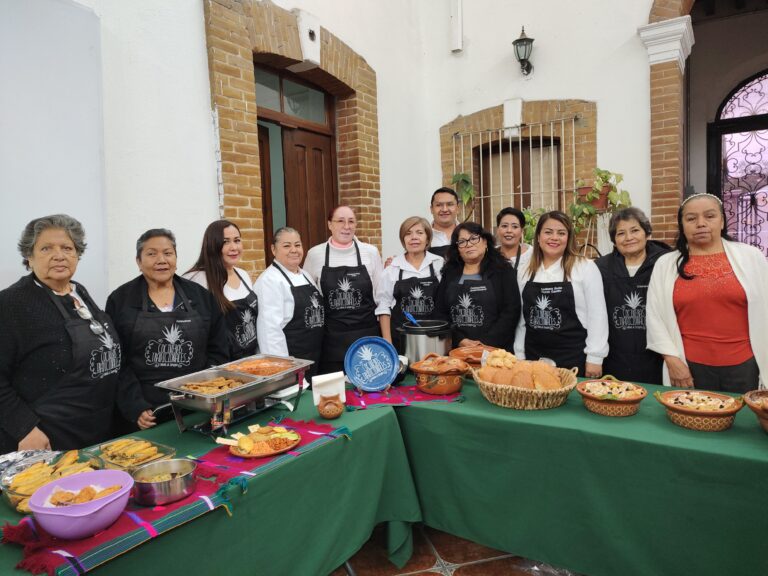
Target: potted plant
[[604, 196], [466, 191]]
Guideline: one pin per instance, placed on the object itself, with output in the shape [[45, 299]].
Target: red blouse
[[712, 312]]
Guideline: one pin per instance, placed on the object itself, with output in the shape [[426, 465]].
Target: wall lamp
[[523, 47]]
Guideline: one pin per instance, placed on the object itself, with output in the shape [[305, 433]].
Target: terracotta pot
[[439, 382], [600, 203], [757, 400]]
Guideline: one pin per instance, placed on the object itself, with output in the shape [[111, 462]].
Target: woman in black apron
[[216, 270], [564, 316], [510, 225], [626, 274], [292, 321], [348, 272], [169, 326], [478, 292], [59, 354], [410, 283]]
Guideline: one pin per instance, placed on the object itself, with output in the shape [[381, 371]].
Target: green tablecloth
[[601, 496], [304, 518]]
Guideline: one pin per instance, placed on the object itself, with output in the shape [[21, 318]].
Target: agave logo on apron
[[543, 316], [417, 303], [245, 332], [467, 314], [171, 350], [105, 360], [314, 315], [630, 315], [373, 365], [345, 297]]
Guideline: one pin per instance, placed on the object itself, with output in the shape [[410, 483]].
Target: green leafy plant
[[584, 207], [466, 191], [532, 216]]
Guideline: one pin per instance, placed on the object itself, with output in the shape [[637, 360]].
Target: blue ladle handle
[[411, 319]]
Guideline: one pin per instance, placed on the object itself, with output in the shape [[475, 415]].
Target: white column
[[668, 40]]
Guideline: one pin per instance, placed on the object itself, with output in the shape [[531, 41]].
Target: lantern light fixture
[[523, 47]]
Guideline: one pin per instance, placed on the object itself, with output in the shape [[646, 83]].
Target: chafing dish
[[235, 404]]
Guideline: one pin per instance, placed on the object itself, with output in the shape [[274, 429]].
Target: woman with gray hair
[[626, 274], [59, 354], [169, 327]]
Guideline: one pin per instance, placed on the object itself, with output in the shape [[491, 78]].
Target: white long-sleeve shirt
[[369, 255], [590, 305], [275, 308], [391, 274]]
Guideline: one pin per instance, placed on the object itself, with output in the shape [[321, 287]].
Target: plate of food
[[608, 396], [261, 441], [700, 409], [129, 452]]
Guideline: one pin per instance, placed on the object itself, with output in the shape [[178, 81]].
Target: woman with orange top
[[707, 307]]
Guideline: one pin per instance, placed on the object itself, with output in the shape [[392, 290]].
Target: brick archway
[[667, 130], [239, 32]]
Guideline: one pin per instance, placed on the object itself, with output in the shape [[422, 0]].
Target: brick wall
[[666, 9], [239, 32]]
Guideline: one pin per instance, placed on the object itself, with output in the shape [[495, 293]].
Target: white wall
[[159, 147], [726, 53], [51, 129]]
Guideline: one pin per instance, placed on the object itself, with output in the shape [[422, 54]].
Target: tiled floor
[[434, 553]]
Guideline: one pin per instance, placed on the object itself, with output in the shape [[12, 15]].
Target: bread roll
[[545, 377]]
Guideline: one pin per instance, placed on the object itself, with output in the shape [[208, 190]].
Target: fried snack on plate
[[85, 495]]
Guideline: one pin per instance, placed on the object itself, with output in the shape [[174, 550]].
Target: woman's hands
[[35, 440], [146, 420], [593, 370], [679, 373]]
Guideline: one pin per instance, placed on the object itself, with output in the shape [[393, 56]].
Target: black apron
[[241, 324], [167, 345], [625, 298], [415, 296], [439, 250], [77, 412], [304, 332], [552, 328], [350, 310], [473, 308]]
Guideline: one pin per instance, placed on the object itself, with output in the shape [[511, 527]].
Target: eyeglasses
[[85, 314], [471, 241]]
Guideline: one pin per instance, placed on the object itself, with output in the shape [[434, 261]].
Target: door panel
[[310, 187], [266, 191]]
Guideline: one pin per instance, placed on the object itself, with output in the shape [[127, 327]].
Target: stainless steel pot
[[181, 484], [428, 336]]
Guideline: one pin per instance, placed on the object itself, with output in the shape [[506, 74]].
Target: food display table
[[305, 517], [600, 496]]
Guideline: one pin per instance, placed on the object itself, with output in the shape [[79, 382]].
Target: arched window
[[738, 160]]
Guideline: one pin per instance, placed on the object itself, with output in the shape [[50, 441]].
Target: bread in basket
[[439, 375]]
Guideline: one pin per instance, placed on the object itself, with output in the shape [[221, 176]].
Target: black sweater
[[124, 306], [501, 333], [35, 355]]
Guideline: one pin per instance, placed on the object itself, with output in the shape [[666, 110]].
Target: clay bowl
[[757, 400], [705, 421], [610, 405], [439, 382]]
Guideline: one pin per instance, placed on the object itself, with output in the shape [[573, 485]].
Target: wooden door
[[310, 183], [266, 191]]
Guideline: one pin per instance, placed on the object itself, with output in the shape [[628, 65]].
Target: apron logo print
[[345, 297], [544, 317], [416, 303], [245, 332], [375, 364], [314, 315], [171, 350], [466, 314], [630, 315], [106, 359]]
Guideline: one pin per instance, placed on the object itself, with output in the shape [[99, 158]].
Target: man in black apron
[[415, 296], [625, 299], [241, 324], [77, 412], [349, 310], [552, 328], [304, 331]]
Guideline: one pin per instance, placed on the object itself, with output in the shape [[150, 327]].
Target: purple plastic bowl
[[82, 520]]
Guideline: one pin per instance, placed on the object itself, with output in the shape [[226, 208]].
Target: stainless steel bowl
[[181, 484]]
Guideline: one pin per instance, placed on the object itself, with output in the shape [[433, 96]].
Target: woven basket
[[615, 408], [525, 398], [695, 420]]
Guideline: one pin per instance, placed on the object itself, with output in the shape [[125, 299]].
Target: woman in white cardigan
[[707, 307]]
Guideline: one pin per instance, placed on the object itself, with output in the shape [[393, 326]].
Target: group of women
[[72, 375]]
